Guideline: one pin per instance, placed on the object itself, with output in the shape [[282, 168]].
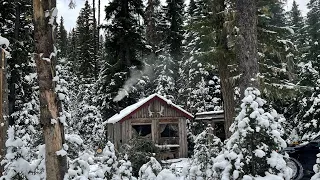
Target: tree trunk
[[247, 44], [4, 106], [225, 59], [56, 166]]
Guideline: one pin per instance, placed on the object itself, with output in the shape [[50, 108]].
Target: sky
[[70, 15]]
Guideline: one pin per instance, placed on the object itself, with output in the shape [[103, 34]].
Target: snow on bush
[[166, 174], [316, 169], [252, 150], [207, 147], [107, 162], [150, 170], [79, 168], [124, 171]]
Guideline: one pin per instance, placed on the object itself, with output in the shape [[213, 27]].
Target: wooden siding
[[155, 108], [155, 131], [183, 150], [121, 132]]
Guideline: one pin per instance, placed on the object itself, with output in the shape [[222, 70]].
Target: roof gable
[[130, 110]]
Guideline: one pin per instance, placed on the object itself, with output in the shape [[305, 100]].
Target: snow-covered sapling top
[[252, 150]]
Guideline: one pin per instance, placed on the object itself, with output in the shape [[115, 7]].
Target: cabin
[[156, 118], [215, 119]]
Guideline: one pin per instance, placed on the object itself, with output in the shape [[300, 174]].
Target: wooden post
[[3, 108], [183, 149], [155, 131]]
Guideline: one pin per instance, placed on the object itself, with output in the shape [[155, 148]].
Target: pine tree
[[125, 169], [308, 126], [296, 22], [79, 168], [62, 40], [207, 147], [108, 161], [174, 17], [123, 46], [87, 120], [252, 150], [313, 25], [85, 64]]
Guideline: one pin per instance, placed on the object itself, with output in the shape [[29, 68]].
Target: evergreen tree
[[313, 25], [252, 150], [85, 65], [207, 147], [296, 22], [308, 126], [71, 50], [309, 78], [123, 46], [124, 170], [153, 16], [79, 168], [62, 40], [108, 161], [175, 17]]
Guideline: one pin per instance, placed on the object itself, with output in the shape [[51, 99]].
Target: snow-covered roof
[[210, 112], [128, 111]]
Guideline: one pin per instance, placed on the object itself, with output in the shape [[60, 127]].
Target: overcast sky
[[70, 15]]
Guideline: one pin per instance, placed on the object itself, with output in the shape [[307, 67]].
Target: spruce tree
[[123, 45], [252, 150], [85, 65], [62, 40], [313, 25], [207, 147], [296, 22]]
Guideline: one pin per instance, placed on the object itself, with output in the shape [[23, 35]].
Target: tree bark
[[56, 166], [225, 59], [4, 108], [247, 44]]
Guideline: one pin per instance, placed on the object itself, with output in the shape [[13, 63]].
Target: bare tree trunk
[[43, 11], [4, 107], [247, 44], [225, 59]]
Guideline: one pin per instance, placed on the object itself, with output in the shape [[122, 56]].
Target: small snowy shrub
[[316, 169], [108, 161], [80, 167], [139, 151], [125, 170], [207, 147], [150, 170], [17, 157], [252, 150]]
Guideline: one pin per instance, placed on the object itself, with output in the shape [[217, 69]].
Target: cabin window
[[142, 130], [169, 130]]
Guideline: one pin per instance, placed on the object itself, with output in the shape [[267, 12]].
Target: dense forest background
[[185, 52]]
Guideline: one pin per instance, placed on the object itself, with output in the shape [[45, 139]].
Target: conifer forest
[[160, 90]]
